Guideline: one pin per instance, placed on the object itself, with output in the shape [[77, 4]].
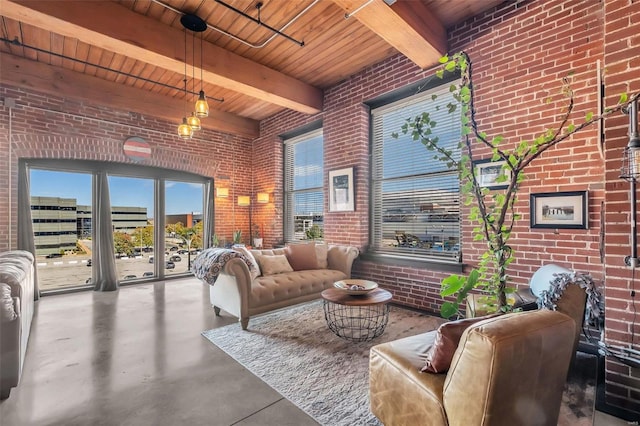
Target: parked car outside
[[169, 265], [174, 248], [89, 262], [175, 258], [147, 274], [53, 255], [129, 277], [150, 259], [183, 251]]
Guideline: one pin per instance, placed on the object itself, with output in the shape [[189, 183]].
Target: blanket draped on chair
[[208, 265]]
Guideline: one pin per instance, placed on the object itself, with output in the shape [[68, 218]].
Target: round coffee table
[[356, 318]]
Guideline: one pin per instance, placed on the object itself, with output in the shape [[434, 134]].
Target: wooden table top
[[374, 297]]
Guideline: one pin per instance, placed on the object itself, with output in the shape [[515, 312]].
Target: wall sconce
[[222, 192], [631, 156], [244, 200], [262, 197], [631, 172]]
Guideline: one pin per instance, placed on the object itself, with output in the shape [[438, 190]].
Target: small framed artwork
[[487, 173], [341, 190], [566, 210]]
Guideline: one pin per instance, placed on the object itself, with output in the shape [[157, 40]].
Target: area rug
[[294, 352]]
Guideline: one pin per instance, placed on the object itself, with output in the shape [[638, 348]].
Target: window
[[303, 184], [415, 198], [146, 204]]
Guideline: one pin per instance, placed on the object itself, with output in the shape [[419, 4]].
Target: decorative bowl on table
[[355, 287]]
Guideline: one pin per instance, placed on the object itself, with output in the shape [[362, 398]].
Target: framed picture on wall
[[489, 173], [341, 190], [568, 210]]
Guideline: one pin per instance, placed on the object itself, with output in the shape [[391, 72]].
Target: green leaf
[[448, 309], [451, 66], [453, 88], [589, 116], [623, 98], [443, 59], [451, 285], [434, 97], [440, 74], [571, 128]]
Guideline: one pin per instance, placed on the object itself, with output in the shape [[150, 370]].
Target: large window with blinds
[[303, 185], [415, 197]]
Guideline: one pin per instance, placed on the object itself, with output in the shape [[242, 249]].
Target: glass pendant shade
[[194, 122], [202, 107], [184, 130]]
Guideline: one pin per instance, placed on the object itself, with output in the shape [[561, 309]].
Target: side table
[[356, 318]]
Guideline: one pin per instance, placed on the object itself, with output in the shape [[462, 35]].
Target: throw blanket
[[208, 265], [594, 313]]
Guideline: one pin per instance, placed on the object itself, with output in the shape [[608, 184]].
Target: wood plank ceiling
[[130, 54]]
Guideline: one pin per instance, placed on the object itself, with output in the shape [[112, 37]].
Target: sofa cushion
[[302, 257], [247, 253], [275, 264], [448, 336], [273, 289], [321, 253]]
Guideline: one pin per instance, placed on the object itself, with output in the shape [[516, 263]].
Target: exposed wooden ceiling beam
[[44, 78], [409, 26], [113, 27]]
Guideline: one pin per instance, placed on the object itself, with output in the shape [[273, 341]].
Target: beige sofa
[[244, 293], [16, 312], [506, 370]]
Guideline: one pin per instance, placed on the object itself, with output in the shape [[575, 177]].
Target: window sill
[[420, 263]]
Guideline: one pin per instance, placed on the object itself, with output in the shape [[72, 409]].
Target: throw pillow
[[448, 336], [270, 265], [302, 257], [321, 253], [255, 272]]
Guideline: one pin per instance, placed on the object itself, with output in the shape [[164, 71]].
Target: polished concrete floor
[[136, 357]]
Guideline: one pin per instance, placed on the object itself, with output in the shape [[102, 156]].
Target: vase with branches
[[493, 212]]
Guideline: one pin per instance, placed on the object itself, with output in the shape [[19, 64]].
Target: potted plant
[[237, 237], [257, 236], [492, 211]]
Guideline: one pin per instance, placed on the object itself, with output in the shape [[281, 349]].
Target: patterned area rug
[[294, 352]]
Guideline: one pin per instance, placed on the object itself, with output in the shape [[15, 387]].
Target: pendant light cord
[[185, 72]]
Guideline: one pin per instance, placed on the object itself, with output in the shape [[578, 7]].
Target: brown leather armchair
[[507, 370]]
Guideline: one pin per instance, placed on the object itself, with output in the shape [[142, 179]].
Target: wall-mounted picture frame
[[487, 173], [341, 190], [559, 210]]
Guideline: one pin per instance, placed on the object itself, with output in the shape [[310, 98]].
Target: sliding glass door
[[132, 207], [158, 221], [61, 218]]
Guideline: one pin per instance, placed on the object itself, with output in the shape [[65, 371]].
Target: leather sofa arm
[[340, 258]]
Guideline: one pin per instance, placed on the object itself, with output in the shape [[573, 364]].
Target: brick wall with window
[[521, 51], [45, 126]]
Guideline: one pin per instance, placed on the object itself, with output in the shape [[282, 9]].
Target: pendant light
[[193, 120], [197, 25], [184, 130], [202, 107]]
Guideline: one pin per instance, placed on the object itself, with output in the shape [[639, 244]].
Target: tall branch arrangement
[[493, 211]]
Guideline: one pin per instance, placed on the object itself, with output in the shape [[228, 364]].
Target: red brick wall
[[521, 52], [53, 127], [515, 72], [622, 61]]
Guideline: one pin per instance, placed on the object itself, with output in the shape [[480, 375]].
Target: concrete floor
[[136, 357]]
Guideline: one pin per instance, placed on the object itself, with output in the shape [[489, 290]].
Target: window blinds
[[415, 197]]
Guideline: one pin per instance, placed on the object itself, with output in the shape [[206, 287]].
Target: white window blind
[[415, 198], [303, 184]]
